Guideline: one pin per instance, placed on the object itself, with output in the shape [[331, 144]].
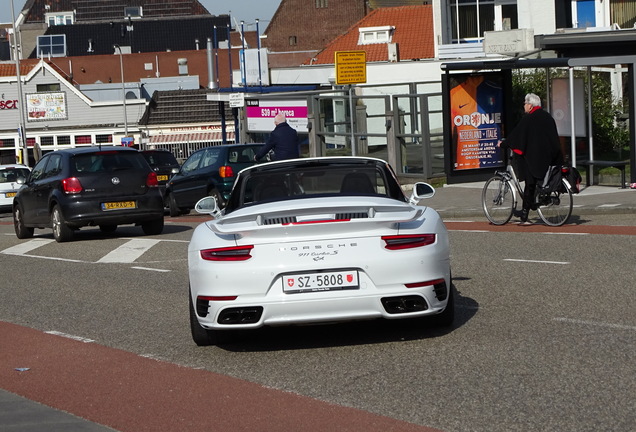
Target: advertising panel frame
[[476, 109]]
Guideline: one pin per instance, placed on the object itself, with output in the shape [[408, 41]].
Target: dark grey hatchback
[[89, 186]]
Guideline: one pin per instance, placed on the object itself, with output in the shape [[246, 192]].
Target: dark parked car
[[163, 163], [89, 186], [208, 172]]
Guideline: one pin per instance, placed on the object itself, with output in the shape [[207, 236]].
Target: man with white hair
[[283, 140], [535, 141]]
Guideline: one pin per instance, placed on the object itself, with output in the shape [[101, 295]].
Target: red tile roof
[[413, 34]]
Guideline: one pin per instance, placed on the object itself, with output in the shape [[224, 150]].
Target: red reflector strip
[[236, 253], [317, 221], [408, 241], [217, 298], [423, 284]]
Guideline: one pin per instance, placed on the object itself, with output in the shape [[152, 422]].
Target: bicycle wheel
[[556, 208], [498, 200]]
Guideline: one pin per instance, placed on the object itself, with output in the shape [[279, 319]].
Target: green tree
[[610, 135]]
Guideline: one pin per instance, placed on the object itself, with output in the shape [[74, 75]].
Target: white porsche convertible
[[317, 240]]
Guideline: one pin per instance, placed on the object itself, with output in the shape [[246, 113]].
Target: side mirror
[[20, 180], [421, 191], [207, 205]]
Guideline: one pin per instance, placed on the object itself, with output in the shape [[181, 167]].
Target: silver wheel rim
[[56, 223]]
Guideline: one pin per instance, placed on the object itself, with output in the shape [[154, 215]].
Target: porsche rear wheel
[[446, 318], [205, 337]]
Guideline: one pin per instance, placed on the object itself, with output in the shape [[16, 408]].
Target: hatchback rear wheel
[[154, 227], [21, 231], [61, 232]]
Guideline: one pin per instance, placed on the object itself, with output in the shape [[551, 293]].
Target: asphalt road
[[545, 336]]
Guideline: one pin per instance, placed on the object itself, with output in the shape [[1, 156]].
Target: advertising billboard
[[260, 114], [476, 116], [46, 106]]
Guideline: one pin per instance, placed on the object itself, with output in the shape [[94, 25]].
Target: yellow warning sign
[[351, 67]]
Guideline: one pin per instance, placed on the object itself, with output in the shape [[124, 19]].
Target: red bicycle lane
[[128, 392]]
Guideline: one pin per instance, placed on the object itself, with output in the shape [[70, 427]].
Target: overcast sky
[[241, 10]]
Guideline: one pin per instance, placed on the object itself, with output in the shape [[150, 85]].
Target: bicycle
[[500, 196]]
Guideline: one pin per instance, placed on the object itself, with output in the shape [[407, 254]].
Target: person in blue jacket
[[283, 140]]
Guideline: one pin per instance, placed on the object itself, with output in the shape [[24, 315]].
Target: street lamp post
[[21, 129], [123, 88]]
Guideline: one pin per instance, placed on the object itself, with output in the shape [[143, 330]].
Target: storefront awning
[[194, 137]]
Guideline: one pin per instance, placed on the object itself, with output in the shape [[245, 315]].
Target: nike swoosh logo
[[462, 106]]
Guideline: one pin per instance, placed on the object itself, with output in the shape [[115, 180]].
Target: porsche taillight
[[71, 185], [235, 253], [398, 242], [151, 180], [226, 171]]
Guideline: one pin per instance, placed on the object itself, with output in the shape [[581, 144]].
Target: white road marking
[[537, 261], [565, 233], [473, 231], [129, 251], [68, 336], [23, 248], [609, 205], [595, 323], [152, 269]]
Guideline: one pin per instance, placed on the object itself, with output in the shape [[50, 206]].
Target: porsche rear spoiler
[[332, 219]]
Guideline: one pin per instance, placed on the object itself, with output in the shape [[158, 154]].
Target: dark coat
[[536, 139], [284, 141]]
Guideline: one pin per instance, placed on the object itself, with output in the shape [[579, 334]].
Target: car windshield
[[12, 174], [160, 158], [309, 182], [106, 161]]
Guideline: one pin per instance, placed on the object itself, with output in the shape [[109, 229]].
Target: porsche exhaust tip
[[242, 315], [404, 304]]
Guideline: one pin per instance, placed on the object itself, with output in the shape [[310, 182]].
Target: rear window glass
[[107, 161], [160, 159], [9, 175]]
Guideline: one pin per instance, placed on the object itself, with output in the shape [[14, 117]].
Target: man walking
[[283, 140]]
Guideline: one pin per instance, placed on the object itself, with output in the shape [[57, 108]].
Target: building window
[[322, 4], [103, 139], [293, 40], [60, 18], [83, 139], [471, 18], [51, 45], [47, 140], [43, 88], [133, 11], [63, 140], [623, 13], [375, 35]]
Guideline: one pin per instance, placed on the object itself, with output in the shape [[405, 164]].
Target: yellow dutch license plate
[[162, 178], [119, 205], [10, 194]]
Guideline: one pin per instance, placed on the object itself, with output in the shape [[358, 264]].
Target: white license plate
[[321, 281]]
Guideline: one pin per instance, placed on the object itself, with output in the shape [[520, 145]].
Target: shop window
[[83, 139], [47, 141], [63, 140], [103, 139]]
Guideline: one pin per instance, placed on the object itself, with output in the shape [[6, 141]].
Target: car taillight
[[398, 242], [236, 253], [151, 180], [226, 171], [71, 185]]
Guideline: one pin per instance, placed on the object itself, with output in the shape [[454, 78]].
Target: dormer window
[[375, 35], [133, 12], [59, 18]]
